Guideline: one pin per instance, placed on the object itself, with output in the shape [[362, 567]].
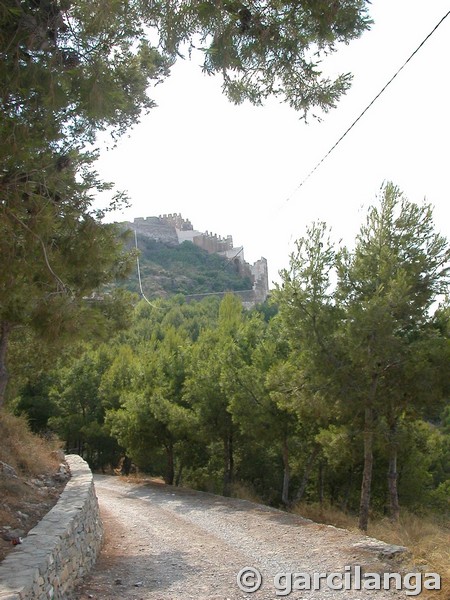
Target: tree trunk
[[170, 469], [394, 506], [228, 464], [126, 465], [5, 330], [286, 473], [179, 474], [307, 473], [364, 505]]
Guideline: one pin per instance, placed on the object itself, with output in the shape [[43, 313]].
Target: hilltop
[[177, 259]]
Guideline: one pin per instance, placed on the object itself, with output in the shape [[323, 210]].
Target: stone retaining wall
[[62, 548]]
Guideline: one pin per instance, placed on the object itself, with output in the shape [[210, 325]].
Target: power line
[[367, 107], [139, 273]]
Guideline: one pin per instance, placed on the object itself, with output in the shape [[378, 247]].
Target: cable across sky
[[322, 160]]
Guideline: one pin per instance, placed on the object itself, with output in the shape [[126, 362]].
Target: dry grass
[[326, 514], [427, 539], [245, 492], [21, 449]]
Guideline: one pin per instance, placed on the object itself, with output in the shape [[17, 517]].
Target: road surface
[[165, 543]]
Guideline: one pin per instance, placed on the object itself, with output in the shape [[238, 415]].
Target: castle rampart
[[154, 228], [213, 243]]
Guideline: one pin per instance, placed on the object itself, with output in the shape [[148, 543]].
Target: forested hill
[[184, 269]]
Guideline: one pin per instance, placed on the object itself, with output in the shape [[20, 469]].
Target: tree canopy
[[73, 68], [225, 400], [346, 383], [368, 343], [67, 70], [265, 48]]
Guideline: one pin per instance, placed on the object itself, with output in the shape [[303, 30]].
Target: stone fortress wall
[[155, 228], [173, 229], [62, 548]]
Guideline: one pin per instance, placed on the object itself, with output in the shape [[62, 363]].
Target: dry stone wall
[[62, 548]]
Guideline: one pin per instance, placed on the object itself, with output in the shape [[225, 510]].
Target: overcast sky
[[236, 169]]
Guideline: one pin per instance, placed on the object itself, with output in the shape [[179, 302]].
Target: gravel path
[[167, 543]]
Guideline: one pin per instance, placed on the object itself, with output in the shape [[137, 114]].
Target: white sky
[[230, 169]]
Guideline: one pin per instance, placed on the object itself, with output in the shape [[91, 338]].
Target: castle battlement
[[213, 243], [177, 221]]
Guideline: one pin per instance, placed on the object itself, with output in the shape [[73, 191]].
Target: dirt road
[[165, 543]]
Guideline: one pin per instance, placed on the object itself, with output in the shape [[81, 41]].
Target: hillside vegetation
[[184, 269]]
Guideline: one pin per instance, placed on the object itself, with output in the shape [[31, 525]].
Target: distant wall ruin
[[156, 229]]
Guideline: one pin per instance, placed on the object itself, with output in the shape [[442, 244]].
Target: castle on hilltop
[[173, 230]]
